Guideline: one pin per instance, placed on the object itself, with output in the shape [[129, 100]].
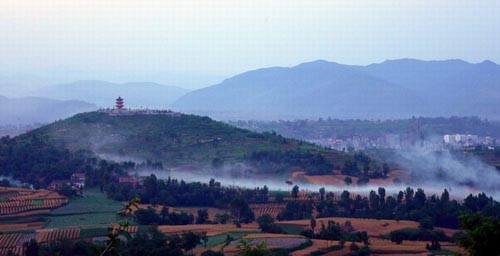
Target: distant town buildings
[[469, 140], [396, 141], [357, 142]]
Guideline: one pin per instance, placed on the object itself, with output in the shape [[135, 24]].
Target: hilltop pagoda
[[119, 103]]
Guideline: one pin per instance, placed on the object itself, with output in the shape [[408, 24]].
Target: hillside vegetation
[[176, 141]]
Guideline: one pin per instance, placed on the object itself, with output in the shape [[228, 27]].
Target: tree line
[[409, 204]]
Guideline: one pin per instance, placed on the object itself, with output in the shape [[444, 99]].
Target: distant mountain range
[[39, 110], [103, 94], [391, 89]]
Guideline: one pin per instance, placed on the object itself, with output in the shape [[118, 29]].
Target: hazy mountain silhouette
[[451, 87], [391, 89], [103, 94], [39, 110]]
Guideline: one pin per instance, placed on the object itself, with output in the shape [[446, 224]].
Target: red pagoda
[[119, 103]]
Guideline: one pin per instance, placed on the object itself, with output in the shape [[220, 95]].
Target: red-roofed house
[[78, 177], [128, 180], [58, 184], [78, 180]]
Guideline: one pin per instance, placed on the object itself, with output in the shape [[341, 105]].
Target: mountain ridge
[[103, 93], [29, 110], [391, 89]]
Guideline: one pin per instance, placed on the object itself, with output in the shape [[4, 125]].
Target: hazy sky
[[227, 37]]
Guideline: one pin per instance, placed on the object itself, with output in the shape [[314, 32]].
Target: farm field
[[81, 220], [272, 209], [21, 226], [220, 238], [380, 247], [93, 209], [92, 201], [20, 202], [89, 216], [216, 243], [338, 179], [14, 242], [212, 211], [372, 226], [211, 229], [316, 245]]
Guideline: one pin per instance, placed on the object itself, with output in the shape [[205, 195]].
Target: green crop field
[[218, 239], [93, 201], [37, 202], [93, 209], [86, 219], [93, 232], [291, 228]]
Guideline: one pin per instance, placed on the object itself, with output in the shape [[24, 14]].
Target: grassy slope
[[174, 140]]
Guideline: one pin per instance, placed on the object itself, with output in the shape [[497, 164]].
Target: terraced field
[[272, 209], [14, 242], [21, 202], [210, 229]]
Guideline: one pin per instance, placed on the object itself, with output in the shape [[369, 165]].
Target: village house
[[78, 179], [128, 180], [58, 184]]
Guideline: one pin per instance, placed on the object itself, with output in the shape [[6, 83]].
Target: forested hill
[[184, 140]]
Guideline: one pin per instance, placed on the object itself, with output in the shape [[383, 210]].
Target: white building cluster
[[468, 140]]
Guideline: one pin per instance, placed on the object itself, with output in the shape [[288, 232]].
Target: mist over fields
[[430, 172], [426, 167]]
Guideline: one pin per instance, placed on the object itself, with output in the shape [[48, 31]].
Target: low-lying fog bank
[[430, 170], [458, 192]]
